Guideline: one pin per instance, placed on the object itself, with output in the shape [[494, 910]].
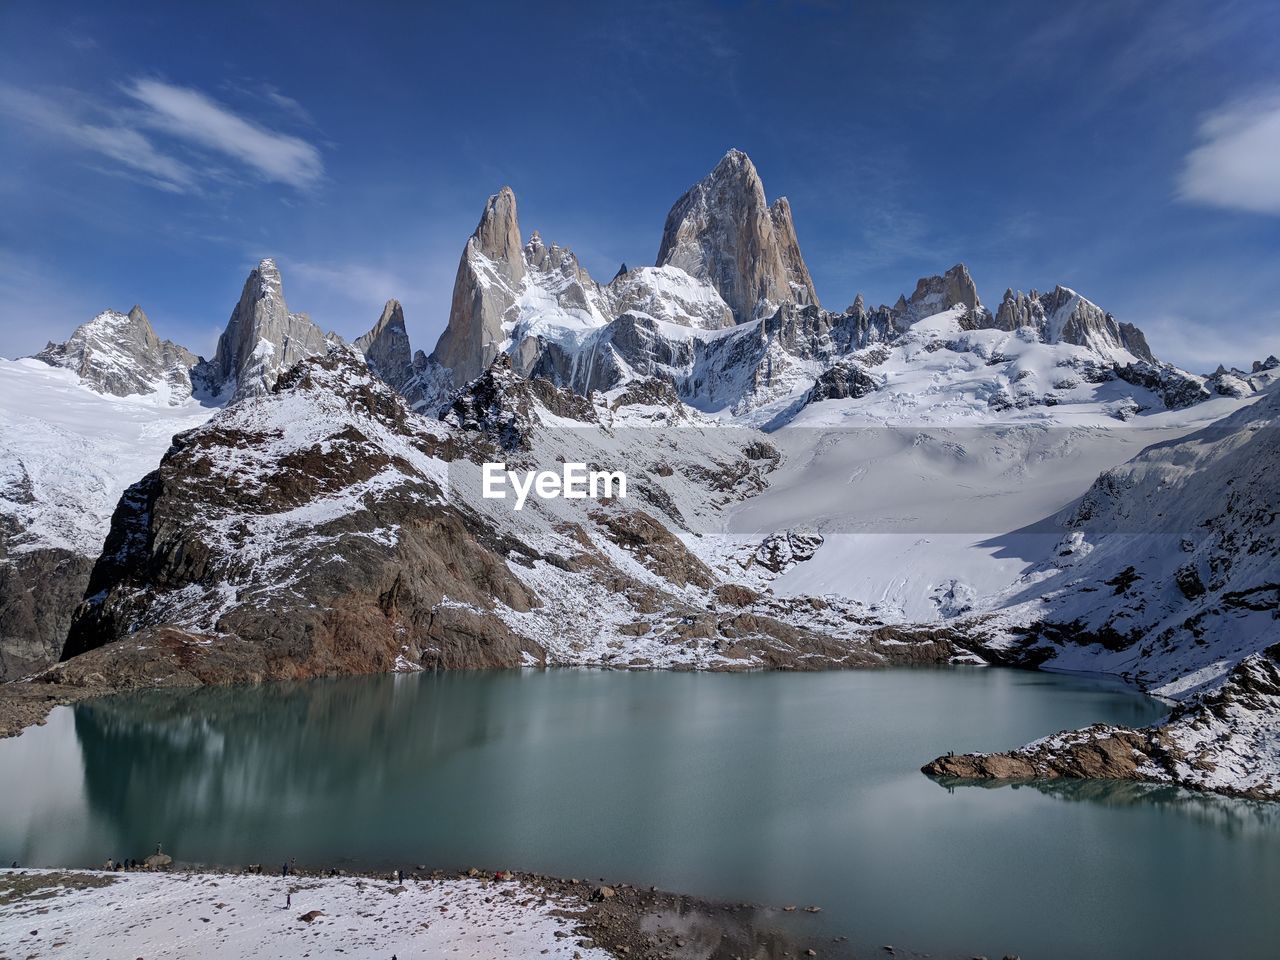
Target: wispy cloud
[[354, 282], [1180, 339], [173, 138], [191, 116], [126, 146], [1236, 165]]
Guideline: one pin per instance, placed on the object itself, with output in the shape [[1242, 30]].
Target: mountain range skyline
[[1121, 153]]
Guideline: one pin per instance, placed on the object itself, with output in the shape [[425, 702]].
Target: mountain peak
[[497, 235], [735, 162], [488, 281], [938, 293], [261, 338], [391, 318], [722, 230], [120, 354], [1064, 316], [386, 347]]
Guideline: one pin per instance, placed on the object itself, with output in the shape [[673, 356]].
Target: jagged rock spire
[[722, 230], [386, 347], [486, 285], [497, 235], [261, 338]]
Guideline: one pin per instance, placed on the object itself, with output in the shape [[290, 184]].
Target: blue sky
[[153, 153]]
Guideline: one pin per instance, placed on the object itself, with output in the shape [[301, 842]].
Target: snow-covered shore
[[62, 913]]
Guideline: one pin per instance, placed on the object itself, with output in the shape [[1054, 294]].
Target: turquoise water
[[771, 787]]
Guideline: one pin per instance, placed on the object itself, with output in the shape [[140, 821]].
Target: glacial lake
[[769, 787]]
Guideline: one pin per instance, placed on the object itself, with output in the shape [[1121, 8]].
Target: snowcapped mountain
[[730, 319], [667, 294], [120, 354], [1063, 316], [724, 232], [85, 419], [1181, 544], [326, 528], [911, 483]]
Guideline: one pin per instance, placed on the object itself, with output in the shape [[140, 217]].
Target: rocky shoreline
[[495, 913], [28, 704], [1226, 741]]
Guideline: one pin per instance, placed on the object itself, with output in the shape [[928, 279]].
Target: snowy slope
[[1168, 570], [923, 488], [69, 452]]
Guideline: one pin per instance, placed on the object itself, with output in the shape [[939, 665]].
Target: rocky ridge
[[1167, 569], [729, 316], [308, 532], [386, 348]]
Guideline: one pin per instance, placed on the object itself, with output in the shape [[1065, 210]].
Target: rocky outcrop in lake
[[1226, 741]]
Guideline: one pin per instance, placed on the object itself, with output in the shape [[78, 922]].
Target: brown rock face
[[355, 581], [722, 230], [1098, 752], [487, 284], [784, 230], [38, 591], [654, 546], [1226, 740]]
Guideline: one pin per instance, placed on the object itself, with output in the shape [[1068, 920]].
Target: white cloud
[[192, 116], [175, 141], [134, 150], [126, 146], [1181, 340], [1236, 166], [357, 283]]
